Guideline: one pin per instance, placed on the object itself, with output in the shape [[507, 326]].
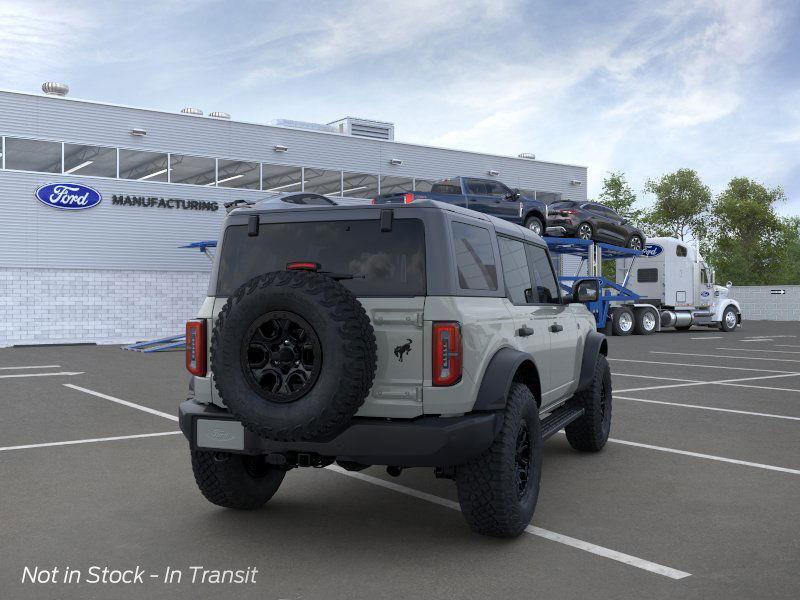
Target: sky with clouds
[[640, 87]]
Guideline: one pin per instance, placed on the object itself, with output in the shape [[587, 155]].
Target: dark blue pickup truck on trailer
[[483, 195]]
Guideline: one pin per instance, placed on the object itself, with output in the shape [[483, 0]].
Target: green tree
[[681, 205], [618, 195], [749, 243]]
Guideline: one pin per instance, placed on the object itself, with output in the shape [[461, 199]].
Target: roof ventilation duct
[[219, 115], [376, 130], [527, 155], [51, 88], [192, 111], [303, 125]]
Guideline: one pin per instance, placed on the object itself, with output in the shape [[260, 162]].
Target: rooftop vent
[[219, 115], [527, 155], [377, 130], [192, 111], [51, 88], [303, 125]]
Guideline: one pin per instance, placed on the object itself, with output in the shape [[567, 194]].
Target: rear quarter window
[[392, 263], [475, 258]]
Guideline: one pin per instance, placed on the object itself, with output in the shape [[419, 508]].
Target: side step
[[559, 418]]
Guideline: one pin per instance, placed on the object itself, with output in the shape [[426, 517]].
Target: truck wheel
[[293, 355], [498, 489], [235, 480], [645, 321], [729, 319], [535, 225], [622, 323], [589, 433]]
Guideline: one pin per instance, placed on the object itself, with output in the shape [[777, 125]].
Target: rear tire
[[645, 323], [584, 232], [498, 489], [623, 321], [235, 480], [535, 225], [590, 432], [635, 242]]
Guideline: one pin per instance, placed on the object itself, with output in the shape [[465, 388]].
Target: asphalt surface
[[702, 503]]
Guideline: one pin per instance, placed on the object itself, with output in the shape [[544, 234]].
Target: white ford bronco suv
[[424, 335]]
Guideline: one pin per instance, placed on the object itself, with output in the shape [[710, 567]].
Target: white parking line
[[537, 531], [717, 382], [656, 362], [786, 346], [708, 337], [656, 377], [152, 411], [706, 456], [698, 406], [65, 373], [725, 356], [31, 367], [758, 350], [89, 441], [758, 340]]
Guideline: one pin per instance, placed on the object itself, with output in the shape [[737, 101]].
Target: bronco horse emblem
[[399, 351]]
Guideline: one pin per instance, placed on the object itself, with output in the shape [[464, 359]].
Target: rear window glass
[[474, 257], [393, 263]]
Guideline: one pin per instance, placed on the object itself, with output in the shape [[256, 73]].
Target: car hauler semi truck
[[667, 284]]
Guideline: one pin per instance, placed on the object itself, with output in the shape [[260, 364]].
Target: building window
[[96, 161], [33, 155], [423, 185], [396, 185], [360, 185], [320, 181], [194, 170], [474, 257], [280, 178], [143, 166], [237, 174]]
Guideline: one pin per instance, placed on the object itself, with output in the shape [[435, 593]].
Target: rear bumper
[[422, 442]]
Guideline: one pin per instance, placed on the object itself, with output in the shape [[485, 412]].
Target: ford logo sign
[[705, 294], [652, 250], [68, 196], [220, 435]]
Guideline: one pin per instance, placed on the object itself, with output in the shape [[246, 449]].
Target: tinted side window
[[681, 251], [476, 186], [474, 257], [443, 187], [647, 275], [495, 188], [545, 287], [515, 270]]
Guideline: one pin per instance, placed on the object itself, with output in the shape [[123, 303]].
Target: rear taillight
[[303, 265], [566, 213], [447, 353], [196, 347], [408, 198], [372, 201]]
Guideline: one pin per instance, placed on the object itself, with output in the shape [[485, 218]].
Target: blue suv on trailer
[[483, 195]]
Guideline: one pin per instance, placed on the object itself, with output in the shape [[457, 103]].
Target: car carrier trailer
[[670, 286]]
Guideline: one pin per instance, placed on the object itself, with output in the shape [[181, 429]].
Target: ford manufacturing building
[[113, 271]]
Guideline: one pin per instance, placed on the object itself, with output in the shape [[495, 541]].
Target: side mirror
[[586, 290], [512, 196]]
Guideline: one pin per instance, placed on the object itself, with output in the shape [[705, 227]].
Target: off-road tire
[[487, 485], [348, 359], [531, 221], [639, 325], [590, 432], [616, 327], [235, 480]]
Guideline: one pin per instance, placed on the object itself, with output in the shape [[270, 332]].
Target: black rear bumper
[[423, 442]]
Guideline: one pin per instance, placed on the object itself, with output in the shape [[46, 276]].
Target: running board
[[559, 418]]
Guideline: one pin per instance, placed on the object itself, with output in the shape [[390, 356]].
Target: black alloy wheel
[[282, 356]]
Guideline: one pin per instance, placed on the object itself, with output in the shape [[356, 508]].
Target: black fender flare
[[594, 346], [498, 377]]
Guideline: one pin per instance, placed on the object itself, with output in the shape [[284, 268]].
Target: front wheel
[[729, 319], [635, 243], [584, 231], [235, 480], [498, 489], [535, 225]]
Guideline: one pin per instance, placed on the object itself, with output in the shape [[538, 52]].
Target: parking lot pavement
[[686, 502]]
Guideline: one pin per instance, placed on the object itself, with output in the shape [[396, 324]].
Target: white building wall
[[760, 303], [55, 306]]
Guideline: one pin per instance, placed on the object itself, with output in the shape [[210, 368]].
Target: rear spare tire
[[293, 355]]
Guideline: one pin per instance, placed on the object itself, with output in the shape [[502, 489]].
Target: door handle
[[524, 331], [555, 328]]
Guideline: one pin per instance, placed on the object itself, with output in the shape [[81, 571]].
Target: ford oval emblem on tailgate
[[68, 196]]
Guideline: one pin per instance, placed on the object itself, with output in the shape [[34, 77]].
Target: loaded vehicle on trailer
[[593, 221], [417, 335], [487, 196], [667, 284]]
